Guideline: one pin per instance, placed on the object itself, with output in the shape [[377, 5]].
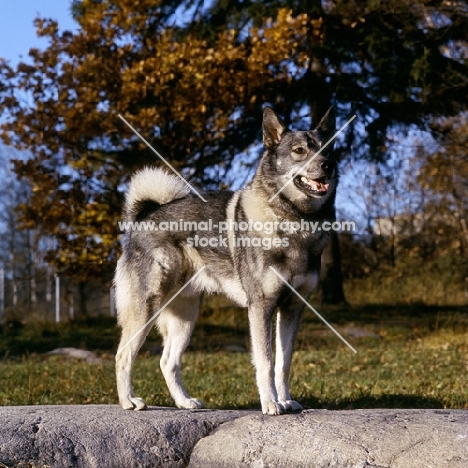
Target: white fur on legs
[[176, 324], [286, 330], [124, 360], [132, 316], [260, 330]]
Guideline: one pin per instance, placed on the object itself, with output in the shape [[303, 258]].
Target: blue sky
[[17, 32]]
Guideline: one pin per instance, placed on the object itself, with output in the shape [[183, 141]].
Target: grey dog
[[237, 243]]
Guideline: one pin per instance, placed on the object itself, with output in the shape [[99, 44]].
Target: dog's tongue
[[315, 184]]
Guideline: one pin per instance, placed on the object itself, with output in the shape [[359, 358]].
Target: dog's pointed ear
[[272, 127], [327, 126]]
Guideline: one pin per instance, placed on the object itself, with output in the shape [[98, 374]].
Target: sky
[[17, 32]]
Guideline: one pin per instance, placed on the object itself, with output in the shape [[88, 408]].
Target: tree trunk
[[82, 298], [319, 102], [331, 279]]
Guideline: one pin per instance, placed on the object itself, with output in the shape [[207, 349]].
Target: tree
[[444, 174], [82, 152], [195, 91], [19, 251], [388, 60]]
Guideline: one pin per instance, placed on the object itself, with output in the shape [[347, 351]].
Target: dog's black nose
[[327, 167]]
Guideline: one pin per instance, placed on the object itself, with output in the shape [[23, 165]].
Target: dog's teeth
[[313, 185]]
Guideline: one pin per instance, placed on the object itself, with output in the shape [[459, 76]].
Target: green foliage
[[407, 357], [39, 337]]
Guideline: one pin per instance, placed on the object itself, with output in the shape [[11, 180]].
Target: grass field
[[409, 356]]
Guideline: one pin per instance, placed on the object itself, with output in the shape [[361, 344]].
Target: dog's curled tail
[[150, 188]]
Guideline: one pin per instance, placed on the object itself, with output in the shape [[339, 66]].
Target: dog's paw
[[134, 403], [273, 408], [190, 403], [291, 406]]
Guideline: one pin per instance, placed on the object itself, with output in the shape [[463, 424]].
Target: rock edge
[[105, 436]]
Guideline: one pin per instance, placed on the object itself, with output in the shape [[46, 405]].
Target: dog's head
[[292, 157]]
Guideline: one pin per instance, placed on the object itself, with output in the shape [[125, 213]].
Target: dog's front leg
[[287, 324], [260, 329]]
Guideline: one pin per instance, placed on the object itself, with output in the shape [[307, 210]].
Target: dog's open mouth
[[312, 187]]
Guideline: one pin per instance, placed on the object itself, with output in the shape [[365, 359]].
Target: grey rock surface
[[103, 436], [75, 353], [344, 439]]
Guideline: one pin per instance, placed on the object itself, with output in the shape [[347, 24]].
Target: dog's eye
[[299, 150]]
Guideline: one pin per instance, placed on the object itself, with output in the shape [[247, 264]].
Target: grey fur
[[156, 264]]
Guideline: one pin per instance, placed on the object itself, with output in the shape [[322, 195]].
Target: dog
[[163, 273]]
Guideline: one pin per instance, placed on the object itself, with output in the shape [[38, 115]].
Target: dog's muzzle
[[316, 183], [312, 187]]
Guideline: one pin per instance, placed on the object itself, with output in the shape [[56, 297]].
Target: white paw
[[134, 403], [291, 405], [273, 408], [190, 403]]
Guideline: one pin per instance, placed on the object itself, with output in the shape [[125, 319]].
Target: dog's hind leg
[[176, 324], [134, 332], [133, 314]]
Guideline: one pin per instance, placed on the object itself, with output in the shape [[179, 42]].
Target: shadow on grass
[[216, 329], [377, 312], [391, 401], [96, 333]]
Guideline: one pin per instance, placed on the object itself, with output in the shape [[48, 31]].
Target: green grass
[[417, 357]]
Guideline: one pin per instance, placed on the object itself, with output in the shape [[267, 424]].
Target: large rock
[[351, 439], [105, 436]]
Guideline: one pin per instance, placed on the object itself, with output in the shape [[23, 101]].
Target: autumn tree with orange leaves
[[179, 95], [194, 88]]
